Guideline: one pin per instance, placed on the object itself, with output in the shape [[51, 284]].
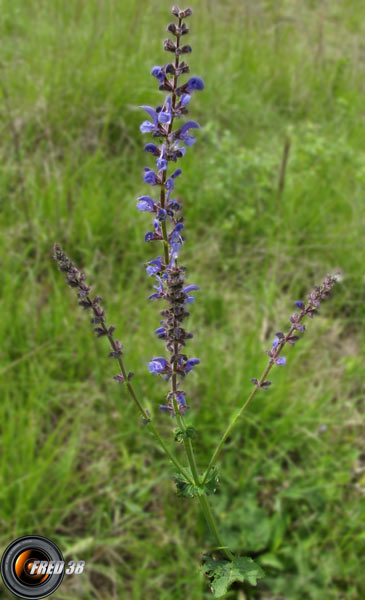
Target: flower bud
[[169, 46], [172, 28], [183, 14], [184, 50]]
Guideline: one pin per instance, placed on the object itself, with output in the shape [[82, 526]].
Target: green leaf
[[190, 432], [223, 573], [181, 434], [211, 483], [189, 490], [184, 488]]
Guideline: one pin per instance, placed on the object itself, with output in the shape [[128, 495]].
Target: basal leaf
[[223, 573]]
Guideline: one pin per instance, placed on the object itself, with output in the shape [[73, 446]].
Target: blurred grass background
[[75, 464]]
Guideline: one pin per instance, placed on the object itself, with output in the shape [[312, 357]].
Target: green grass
[[74, 463]]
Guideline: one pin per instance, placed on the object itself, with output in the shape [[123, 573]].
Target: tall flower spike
[[174, 140]]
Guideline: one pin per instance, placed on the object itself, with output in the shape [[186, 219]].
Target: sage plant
[[172, 137]]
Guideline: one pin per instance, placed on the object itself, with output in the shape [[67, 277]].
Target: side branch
[[75, 279], [319, 294]]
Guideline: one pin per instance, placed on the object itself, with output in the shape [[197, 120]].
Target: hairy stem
[[207, 511], [203, 500], [179, 418], [236, 417], [233, 422]]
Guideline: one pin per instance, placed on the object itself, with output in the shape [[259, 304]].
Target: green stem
[[180, 420], [191, 458], [216, 452], [168, 452], [143, 412], [146, 416], [207, 511], [203, 500]]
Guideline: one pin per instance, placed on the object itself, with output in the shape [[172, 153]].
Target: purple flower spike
[[174, 137], [184, 99], [281, 361], [147, 126], [182, 134], [189, 125], [175, 243], [159, 287], [161, 333], [165, 116], [154, 266], [188, 140], [158, 73], [181, 398], [195, 84], [310, 309], [179, 227], [155, 71], [174, 205], [152, 148], [190, 288], [151, 112], [190, 364], [170, 182], [157, 365], [161, 164], [299, 304], [150, 177], [275, 343], [146, 203], [161, 215]]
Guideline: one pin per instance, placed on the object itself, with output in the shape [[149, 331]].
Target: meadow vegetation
[[74, 465]]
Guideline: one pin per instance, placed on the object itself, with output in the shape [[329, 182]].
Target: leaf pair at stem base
[[189, 490]]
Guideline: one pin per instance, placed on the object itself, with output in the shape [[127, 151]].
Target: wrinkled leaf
[[223, 573], [188, 490], [181, 434]]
